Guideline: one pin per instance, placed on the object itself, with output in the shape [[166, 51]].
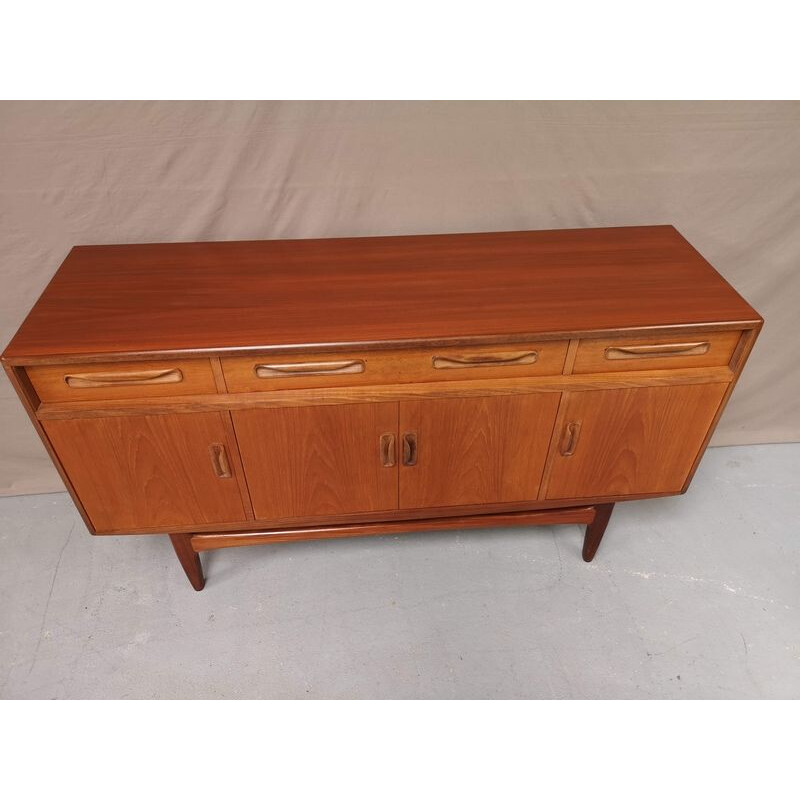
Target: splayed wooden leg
[[190, 561], [595, 530]]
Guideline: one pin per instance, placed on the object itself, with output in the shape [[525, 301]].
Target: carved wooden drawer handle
[[570, 439], [387, 450], [501, 360], [409, 449], [90, 380], [310, 368], [219, 460], [650, 350]]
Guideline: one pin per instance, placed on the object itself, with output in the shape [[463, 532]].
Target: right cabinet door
[[629, 441], [474, 450]]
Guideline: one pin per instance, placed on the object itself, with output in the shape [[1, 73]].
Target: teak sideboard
[[238, 393]]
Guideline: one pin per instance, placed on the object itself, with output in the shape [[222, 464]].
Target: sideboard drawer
[[122, 380], [655, 351], [265, 373]]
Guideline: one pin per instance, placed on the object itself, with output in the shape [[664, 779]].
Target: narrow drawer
[[265, 373], [668, 351], [122, 380]]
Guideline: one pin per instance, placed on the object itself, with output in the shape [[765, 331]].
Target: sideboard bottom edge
[[558, 516]]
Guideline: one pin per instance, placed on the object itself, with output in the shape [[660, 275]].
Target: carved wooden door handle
[[486, 360], [569, 441], [219, 461], [409, 449], [655, 350], [90, 380], [310, 368], [387, 450]]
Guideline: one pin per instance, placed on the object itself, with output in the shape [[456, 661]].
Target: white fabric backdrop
[[727, 174]]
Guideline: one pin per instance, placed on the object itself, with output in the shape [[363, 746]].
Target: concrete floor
[[689, 597]]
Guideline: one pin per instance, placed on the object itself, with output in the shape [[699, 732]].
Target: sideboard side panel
[[739, 359], [30, 401]]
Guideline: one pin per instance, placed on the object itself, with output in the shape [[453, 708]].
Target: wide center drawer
[[265, 373], [58, 383]]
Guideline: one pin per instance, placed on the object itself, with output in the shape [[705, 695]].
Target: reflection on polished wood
[[387, 291]]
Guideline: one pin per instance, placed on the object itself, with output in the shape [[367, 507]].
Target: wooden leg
[[595, 530], [190, 561]]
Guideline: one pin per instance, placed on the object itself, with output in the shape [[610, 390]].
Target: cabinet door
[[630, 441], [475, 450], [153, 471], [319, 460]]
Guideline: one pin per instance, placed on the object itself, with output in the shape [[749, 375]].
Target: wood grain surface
[[476, 450], [317, 460], [147, 471], [381, 292], [629, 441]]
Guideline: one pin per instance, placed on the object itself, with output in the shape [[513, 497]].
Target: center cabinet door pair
[[340, 459]]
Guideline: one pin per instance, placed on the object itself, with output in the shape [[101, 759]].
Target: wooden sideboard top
[[384, 291]]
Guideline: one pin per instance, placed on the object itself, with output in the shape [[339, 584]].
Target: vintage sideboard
[[238, 393]]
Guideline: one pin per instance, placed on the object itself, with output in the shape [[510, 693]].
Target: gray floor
[[689, 597]]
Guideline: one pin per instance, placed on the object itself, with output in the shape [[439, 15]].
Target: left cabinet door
[[150, 471], [311, 461]]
